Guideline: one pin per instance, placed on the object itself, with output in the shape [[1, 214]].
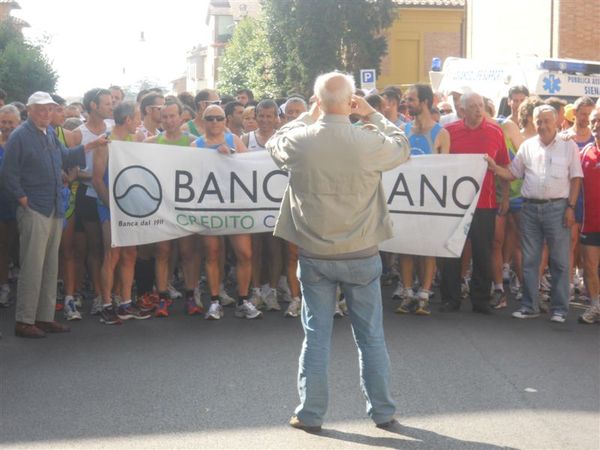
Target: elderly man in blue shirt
[[32, 174]]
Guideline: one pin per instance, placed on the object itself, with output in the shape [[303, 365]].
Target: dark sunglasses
[[214, 118]]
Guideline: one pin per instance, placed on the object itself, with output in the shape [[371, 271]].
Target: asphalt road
[[460, 380]]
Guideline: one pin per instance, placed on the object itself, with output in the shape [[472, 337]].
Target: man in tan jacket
[[335, 210]]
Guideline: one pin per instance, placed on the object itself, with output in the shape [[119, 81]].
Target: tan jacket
[[334, 202]]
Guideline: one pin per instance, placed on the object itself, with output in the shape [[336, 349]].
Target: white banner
[[162, 192]]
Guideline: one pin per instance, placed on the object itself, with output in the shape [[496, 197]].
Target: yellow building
[[423, 29]]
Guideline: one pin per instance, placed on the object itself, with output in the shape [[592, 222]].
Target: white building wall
[[502, 30]]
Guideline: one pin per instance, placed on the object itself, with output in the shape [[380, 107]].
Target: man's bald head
[[334, 92], [213, 110]]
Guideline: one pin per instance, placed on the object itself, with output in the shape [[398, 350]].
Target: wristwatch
[[569, 205]]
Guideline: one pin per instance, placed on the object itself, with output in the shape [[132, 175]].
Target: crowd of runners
[[513, 230]]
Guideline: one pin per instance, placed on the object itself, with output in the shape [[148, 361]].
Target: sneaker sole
[[132, 316], [420, 312], [73, 317], [533, 316], [105, 322], [244, 316], [212, 318], [582, 320]]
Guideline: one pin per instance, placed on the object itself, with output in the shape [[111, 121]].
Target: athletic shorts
[[85, 208], [103, 212], [592, 239], [70, 206]]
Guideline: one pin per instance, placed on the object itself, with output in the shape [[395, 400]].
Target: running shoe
[[293, 309], [191, 308], [406, 305], [226, 299], [70, 309], [544, 302], [108, 316], [558, 317], [399, 291], [96, 306], [257, 299], [525, 314], [147, 302], [423, 304], [270, 300], [591, 315], [247, 311], [174, 294], [162, 308], [78, 299], [215, 311], [283, 290], [498, 300], [130, 311]]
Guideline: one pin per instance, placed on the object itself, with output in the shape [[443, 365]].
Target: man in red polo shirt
[[590, 231], [475, 134]]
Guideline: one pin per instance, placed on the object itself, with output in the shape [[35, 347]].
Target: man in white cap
[[32, 174]]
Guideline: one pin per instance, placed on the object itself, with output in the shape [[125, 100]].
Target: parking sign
[[368, 79]]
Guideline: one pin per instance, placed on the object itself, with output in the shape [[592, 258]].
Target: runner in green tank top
[[116, 258], [189, 246], [506, 236], [203, 100]]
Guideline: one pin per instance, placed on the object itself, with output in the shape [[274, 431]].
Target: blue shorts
[[103, 213], [515, 204]]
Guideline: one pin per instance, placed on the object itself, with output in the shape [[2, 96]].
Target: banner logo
[[137, 191]]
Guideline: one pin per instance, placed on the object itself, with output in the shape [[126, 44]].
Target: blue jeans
[[359, 281], [539, 223]]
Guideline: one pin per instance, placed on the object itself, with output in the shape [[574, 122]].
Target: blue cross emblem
[[552, 84]]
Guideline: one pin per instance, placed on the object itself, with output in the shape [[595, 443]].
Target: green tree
[[247, 62], [309, 37], [24, 68]]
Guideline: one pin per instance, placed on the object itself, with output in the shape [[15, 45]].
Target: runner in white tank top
[[88, 136], [253, 144]]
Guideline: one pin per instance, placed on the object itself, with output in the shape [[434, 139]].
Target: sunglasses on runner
[[212, 102], [214, 118]]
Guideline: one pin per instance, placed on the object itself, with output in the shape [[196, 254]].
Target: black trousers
[[481, 234]]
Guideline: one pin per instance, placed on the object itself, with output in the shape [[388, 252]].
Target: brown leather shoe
[[52, 327], [28, 331]]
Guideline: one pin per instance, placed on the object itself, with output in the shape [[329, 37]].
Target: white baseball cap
[[40, 98]]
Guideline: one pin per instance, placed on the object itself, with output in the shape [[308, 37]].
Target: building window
[[191, 71], [224, 28], [200, 68]]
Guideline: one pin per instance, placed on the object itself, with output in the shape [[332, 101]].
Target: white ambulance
[[563, 78]]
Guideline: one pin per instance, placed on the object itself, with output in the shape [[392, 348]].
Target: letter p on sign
[[368, 79]]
